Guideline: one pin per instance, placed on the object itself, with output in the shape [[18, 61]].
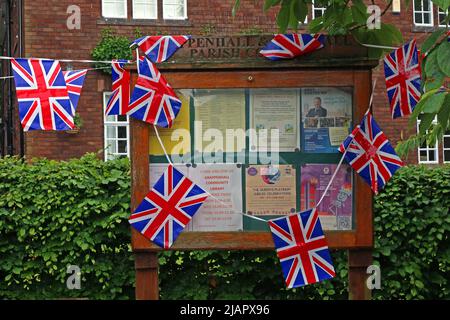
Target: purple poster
[[335, 211]]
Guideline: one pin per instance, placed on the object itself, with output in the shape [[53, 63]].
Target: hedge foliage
[[55, 214]]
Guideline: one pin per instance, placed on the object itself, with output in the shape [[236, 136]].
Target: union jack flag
[[160, 48], [302, 248], [153, 99], [287, 46], [402, 74], [370, 153], [120, 96], [168, 208], [41, 90], [74, 80]]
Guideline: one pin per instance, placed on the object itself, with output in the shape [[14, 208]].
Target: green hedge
[[54, 214]]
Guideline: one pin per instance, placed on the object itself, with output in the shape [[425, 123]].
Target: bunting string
[[209, 194], [67, 60], [88, 69]]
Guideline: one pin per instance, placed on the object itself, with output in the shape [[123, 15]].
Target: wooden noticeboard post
[[233, 62]]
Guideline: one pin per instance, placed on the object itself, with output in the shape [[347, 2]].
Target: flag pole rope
[[209, 194]]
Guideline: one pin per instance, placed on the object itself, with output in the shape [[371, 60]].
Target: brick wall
[[46, 35]]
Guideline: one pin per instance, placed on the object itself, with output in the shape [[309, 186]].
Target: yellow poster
[[219, 120], [270, 190], [176, 140]]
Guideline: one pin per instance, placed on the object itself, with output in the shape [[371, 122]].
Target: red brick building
[[44, 32]]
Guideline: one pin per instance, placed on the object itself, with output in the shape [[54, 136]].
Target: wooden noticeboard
[[233, 63]]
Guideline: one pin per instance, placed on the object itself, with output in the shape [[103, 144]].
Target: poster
[[326, 118], [335, 210], [179, 131], [270, 190], [218, 114], [156, 171], [275, 109], [224, 182]]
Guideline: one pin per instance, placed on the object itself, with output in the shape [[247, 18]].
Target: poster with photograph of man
[[326, 118]]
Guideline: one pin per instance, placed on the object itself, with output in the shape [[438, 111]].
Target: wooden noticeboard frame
[[340, 63]]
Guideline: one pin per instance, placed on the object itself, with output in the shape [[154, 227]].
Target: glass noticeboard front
[[266, 152]]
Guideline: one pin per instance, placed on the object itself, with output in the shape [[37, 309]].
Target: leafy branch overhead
[[352, 17]]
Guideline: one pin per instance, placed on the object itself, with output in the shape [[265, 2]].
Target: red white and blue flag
[[120, 96], [153, 99], [160, 48], [403, 78], [288, 46], [168, 208], [370, 153], [41, 90], [74, 80], [302, 248]]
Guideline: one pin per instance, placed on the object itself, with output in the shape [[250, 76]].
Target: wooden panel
[[360, 80], [259, 79], [363, 193], [236, 241], [242, 51]]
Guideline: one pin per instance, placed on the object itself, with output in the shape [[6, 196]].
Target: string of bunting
[[48, 99]]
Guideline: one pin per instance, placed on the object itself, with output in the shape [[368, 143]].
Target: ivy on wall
[[55, 214]]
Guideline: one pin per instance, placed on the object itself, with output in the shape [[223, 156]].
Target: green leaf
[[442, 3], [315, 25], [270, 3], [434, 103], [359, 12], [283, 16], [237, 4], [434, 76], [444, 114], [420, 105], [393, 31], [299, 11], [425, 122], [431, 40], [443, 57]]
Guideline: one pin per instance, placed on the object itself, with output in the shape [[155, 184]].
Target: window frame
[[185, 16], [106, 124], [427, 148], [115, 17], [446, 135], [441, 11], [313, 8], [414, 11], [151, 18]]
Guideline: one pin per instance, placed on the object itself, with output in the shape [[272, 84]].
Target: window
[[114, 8], [175, 9], [426, 153], [446, 147], [423, 13], [317, 11], [441, 16], [145, 9], [116, 134]]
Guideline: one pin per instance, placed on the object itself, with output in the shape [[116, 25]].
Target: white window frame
[[446, 135], [427, 148], [313, 8], [106, 124], [155, 17], [116, 16], [419, 10], [179, 18], [441, 11]]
